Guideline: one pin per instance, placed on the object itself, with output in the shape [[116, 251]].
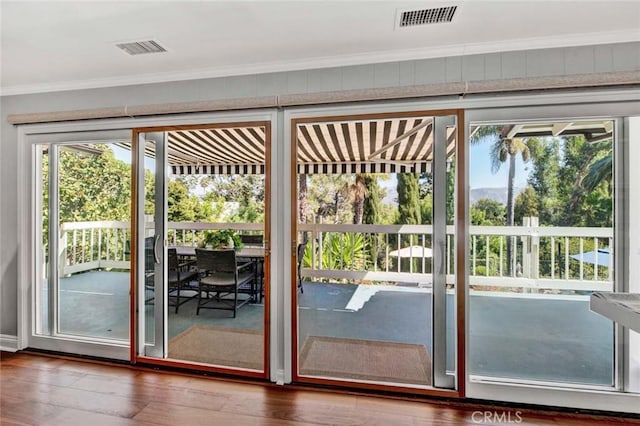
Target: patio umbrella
[[412, 251], [602, 259]]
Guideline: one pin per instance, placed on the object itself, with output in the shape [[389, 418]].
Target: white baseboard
[[8, 343]]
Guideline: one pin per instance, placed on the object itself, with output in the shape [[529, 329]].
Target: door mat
[[223, 346], [365, 360]]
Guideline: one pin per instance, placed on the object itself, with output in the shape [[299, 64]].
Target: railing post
[[62, 251], [99, 246], [526, 254], [320, 244], [535, 249]]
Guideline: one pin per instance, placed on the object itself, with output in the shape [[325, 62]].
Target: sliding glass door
[[375, 250], [81, 186], [542, 241], [547, 238], [203, 246], [150, 250]]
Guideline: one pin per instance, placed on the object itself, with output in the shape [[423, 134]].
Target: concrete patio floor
[[526, 336]]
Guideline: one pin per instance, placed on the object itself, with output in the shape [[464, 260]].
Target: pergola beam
[[513, 131], [558, 128]]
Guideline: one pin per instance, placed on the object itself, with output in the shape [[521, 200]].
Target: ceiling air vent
[[141, 47], [434, 15]]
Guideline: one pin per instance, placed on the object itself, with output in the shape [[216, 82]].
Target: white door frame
[[31, 134], [443, 379], [586, 397], [613, 103], [28, 312]]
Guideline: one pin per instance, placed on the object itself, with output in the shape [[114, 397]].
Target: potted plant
[[222, 239]]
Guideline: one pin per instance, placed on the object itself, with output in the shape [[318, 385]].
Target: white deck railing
[[86, 246], [542, 256]]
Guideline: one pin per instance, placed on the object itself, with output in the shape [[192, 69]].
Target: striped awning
[[228, 150], [342, 146], [389, 145], [394, 145]]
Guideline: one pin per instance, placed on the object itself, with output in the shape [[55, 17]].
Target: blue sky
[[480, 175], [125, 155]]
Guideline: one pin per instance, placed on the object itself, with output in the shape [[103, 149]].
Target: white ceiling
[[59, 45]]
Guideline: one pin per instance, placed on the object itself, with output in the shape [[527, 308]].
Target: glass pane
[[549, 187], [365, 232], [217, 204], [43, 284], [94, 190], [149, 235], [450, 257]]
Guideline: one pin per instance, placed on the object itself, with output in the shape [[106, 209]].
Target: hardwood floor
[[45, 390]]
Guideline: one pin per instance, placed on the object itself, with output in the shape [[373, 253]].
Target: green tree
[[182, 206], [372, 214], [491, 211], [408, 198], [544, 178], [357, 192], [372, 201], [328, 200], [526, 204], [450, 192], [505, 150], [598, 185], [581, 206], [409, 210], [246, 190], [425, 182], [600, 169], [93, 187], [388, 214], [426, 210]]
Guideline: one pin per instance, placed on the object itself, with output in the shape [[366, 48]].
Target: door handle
[[441, 266], [156, 257]]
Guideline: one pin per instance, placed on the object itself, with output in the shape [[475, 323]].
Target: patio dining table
[[246, 251], [254, 253]]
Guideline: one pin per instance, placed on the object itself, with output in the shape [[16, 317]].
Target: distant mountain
[[497, 194]]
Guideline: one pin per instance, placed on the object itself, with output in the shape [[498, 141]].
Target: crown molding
[[571, 40]]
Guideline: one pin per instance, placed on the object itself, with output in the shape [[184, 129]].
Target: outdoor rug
[[365, 360], [224, 346]]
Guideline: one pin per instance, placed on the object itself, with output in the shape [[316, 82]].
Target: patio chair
[[180, 276], [222, 277]]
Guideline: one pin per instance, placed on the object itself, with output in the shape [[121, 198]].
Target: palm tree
[[503, 150], [359, 191], [508, 149], [599, 170]]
